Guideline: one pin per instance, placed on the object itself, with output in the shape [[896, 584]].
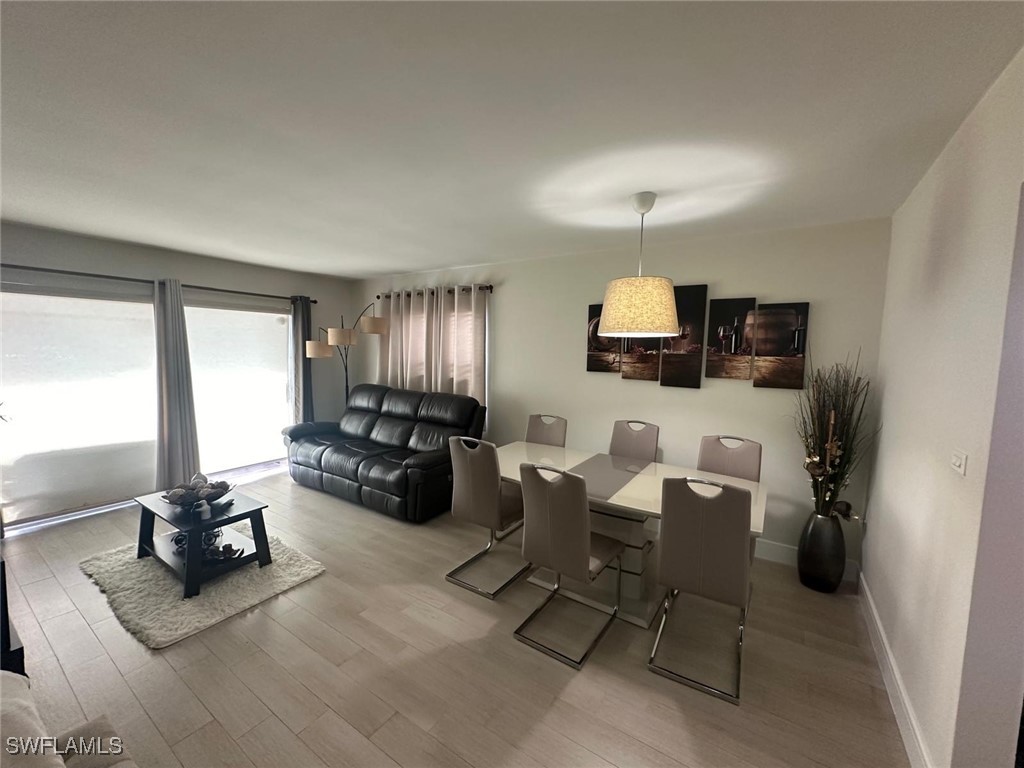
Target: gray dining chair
[[634, 439], [742, 460], [557, 536], [549, 430], [704, 552], [479, 496]]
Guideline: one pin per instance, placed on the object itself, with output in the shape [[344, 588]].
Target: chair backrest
[[550, 432], [556, 529], [476, 482], [639, 443], [705, 540], [743, 460]]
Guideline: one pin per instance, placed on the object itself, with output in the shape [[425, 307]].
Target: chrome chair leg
[[732, 698], [552, 652], [502, 535], [454, 579]]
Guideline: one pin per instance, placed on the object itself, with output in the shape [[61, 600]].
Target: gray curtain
[[177, 446], [300, 373]]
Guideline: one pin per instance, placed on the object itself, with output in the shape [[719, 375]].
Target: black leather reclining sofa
[[389, 452]]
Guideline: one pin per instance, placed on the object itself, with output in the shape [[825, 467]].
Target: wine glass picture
[[725, 333], [730, 335]]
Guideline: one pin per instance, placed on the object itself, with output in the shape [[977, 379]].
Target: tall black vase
[[821, 555]]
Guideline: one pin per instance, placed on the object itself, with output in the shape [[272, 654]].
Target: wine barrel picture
[[780, 345], [730, 339], [603, 353], [682, 356]]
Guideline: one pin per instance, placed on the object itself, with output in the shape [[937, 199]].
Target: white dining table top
[[634, 486]]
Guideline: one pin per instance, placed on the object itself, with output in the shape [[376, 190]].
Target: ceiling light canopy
[[641, 306]]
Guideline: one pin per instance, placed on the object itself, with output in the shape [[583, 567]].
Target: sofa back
[[404, 418]]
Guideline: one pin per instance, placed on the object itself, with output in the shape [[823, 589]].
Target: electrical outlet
[[959, 462]]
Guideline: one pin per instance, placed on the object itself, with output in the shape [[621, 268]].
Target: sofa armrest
[[296, 431], [428, 460]]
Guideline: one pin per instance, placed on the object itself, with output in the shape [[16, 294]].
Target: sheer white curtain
[[437, 341]]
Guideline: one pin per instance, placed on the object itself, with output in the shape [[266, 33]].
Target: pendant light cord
[[640, 259]]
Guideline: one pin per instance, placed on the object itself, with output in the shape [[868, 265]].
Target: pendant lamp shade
[[341, 337], [639, 307], [374, 325], [318, 349]]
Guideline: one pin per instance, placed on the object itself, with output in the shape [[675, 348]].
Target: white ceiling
[[357, 139]]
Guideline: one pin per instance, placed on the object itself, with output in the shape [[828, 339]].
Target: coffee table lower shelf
[[165, 551]]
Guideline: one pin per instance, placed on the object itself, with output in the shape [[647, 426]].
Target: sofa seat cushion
[[386, 472], [343, 460], [308, 451]]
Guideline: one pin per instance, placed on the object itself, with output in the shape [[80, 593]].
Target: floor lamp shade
[[374, 325], [341, 337], [639, 307], [318, 349]]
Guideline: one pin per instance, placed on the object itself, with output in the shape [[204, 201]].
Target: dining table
[[625, 500]]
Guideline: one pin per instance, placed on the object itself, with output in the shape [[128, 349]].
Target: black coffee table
[[188, 565]]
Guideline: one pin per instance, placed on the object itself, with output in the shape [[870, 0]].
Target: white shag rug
[[147, 598]]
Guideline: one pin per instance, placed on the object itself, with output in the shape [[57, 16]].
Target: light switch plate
[[959, 462]]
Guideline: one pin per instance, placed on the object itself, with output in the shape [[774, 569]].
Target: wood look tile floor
[[380, 662]]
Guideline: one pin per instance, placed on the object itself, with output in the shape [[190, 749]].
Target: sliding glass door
[[240, 385], [78, 387]]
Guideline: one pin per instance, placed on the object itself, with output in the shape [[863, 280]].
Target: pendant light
[[641, 306]]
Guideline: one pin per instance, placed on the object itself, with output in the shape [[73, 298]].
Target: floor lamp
[[344, 338]]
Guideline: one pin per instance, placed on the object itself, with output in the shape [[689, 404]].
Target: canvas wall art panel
[[603, 353], [682, 356], [780, 345], [641, 359], [730, 339]]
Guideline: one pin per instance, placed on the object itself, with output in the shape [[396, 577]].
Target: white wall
[[538, 344], [992, 683], [945, 304], [39, 247]]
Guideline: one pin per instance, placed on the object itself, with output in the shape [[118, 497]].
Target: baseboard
[[777, 552], [907, 721]]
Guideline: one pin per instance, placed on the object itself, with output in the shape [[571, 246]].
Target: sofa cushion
[[402, 404], [308, 451], [344, 460], [19, 718], [367, 397], [356, 423], [392, 432], [427, 436], [453, 410], [386, 472]]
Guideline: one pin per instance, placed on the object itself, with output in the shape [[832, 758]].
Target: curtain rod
[[489, 288], [73, 273]]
